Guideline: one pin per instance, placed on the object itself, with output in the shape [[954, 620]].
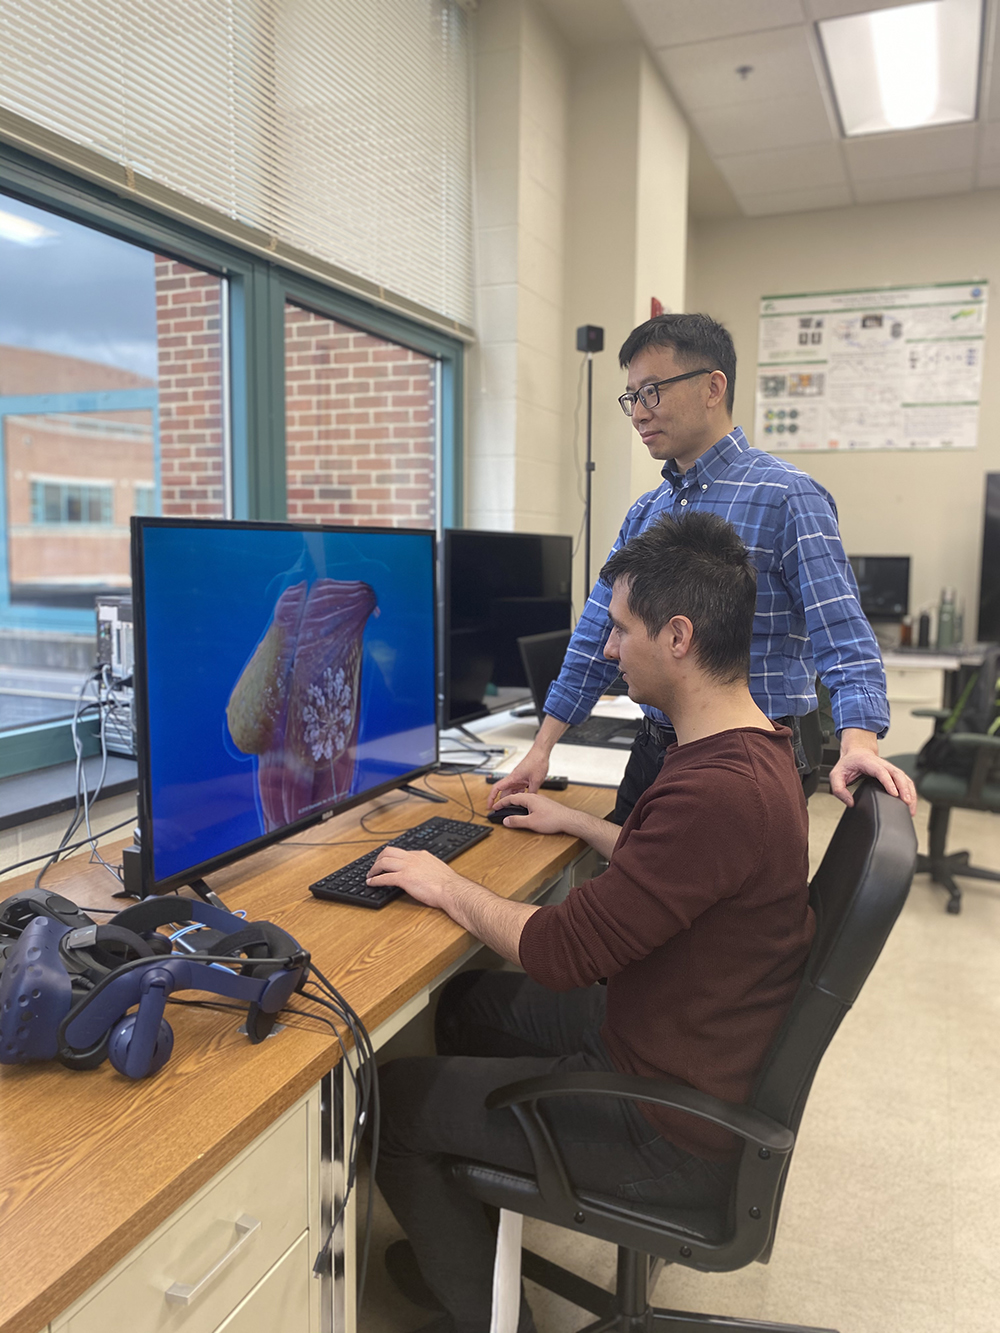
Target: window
[[360, 417], [135, 379], [71, 502], [111, 403]]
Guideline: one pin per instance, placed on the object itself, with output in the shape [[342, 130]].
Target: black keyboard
[[616, 733], [444, 838]]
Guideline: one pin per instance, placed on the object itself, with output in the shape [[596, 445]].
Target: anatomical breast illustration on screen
[[296, 702]]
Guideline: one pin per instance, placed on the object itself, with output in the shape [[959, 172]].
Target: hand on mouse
[[544, 815]]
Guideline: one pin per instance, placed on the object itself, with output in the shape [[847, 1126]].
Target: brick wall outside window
[[359, 426], [189, 354]]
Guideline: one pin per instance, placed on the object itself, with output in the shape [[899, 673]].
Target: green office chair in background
[[958, 767]]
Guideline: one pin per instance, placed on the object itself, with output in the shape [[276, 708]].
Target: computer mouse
[[500, 813]]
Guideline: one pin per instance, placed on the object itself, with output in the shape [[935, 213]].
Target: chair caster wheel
[[954, 906]]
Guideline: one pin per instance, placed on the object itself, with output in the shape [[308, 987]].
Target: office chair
[[958, 767], [857, 893]]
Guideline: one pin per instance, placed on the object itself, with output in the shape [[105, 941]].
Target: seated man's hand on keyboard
[[544, 815], [420, 874]]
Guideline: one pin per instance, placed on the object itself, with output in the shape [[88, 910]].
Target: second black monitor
[[883, 585], [498, 587]]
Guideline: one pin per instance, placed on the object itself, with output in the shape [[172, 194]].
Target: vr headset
[[67, 984]]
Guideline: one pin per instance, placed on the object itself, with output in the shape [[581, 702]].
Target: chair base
[[943, 866], [627, 1309], [943, 870]]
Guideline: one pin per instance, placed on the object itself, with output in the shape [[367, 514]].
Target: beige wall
[[626, 240], [514, 467], [925, 505], [581, 218]]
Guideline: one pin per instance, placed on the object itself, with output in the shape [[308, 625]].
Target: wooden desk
[[91, 1163]]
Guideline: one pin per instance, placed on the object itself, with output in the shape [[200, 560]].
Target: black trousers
[[650, 745], [494, 1028]]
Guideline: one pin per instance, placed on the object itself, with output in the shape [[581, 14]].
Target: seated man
[[700, 924]]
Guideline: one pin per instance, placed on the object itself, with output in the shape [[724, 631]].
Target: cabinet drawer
[[265, 1185], [915, 685], [280, 1300]]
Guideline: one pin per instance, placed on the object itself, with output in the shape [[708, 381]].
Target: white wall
[[626, 237], [581, 217], [925, 505], [514, 389]]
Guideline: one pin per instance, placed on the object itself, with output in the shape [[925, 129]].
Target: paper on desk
[[616, 705], [507, 1274]]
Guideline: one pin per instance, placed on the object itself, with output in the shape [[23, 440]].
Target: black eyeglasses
[[649, 394]]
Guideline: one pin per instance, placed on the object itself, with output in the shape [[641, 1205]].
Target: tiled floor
[[891, 1218]]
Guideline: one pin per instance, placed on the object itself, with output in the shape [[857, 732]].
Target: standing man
[[681, 381], [701, 925]]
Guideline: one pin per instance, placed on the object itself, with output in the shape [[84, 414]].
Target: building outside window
[[111, 403]]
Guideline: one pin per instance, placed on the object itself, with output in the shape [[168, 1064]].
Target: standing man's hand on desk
[[494, 920], [533, 769], [859, 757]]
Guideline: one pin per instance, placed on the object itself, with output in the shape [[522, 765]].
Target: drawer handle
[[184, 1293]]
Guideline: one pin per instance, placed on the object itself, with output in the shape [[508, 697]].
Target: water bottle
[[946, 620]]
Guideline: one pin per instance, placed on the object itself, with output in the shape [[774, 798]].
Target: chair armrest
[[939, 713], [758, 1184], [741, 1120], [974, 740]]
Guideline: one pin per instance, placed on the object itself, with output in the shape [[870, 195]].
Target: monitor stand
[[207, 894], [424, 795]]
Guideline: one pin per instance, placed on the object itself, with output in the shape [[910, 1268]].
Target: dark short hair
[[691, 338], [697, 567]]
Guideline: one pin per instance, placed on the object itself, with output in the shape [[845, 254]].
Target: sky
[[72, 290]]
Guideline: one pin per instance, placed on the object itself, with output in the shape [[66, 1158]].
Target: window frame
[[255, 293]]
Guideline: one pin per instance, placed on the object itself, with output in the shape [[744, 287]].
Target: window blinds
[[337, 127]]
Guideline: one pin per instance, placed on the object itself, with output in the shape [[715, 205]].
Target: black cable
[[74, 823], [367, 1084], [379, 832], [30, 860]]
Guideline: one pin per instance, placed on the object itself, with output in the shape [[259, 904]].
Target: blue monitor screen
[[282, 673]]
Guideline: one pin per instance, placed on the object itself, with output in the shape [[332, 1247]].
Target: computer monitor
[[282, 673], [883, 585], [542, 658], [498, 587], [988, 628]]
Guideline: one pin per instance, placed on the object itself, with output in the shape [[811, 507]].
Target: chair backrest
[[857, 893], [542, 658], [980, 708]]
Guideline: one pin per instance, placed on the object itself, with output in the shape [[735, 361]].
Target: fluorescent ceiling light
[[906, 66], [22, 231]]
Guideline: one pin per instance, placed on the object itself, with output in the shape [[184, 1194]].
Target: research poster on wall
[[875, 368]]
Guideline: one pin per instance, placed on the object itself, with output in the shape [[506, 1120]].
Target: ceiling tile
[[784, 169], [914, 187], [835, 9], [704, 74], [988, 178], [778, 122], [796, 201], [911, 152], [683, 21]]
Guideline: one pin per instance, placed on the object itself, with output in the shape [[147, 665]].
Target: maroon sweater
[[701, 923]]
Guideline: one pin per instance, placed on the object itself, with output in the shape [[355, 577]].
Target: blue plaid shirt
[[808, 616]]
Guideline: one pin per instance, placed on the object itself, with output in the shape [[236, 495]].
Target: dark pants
[[494, 1028], [650, 745]]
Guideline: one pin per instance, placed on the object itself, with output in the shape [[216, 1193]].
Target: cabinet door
[[909, 688], [196, 1269], [280, 1300]]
